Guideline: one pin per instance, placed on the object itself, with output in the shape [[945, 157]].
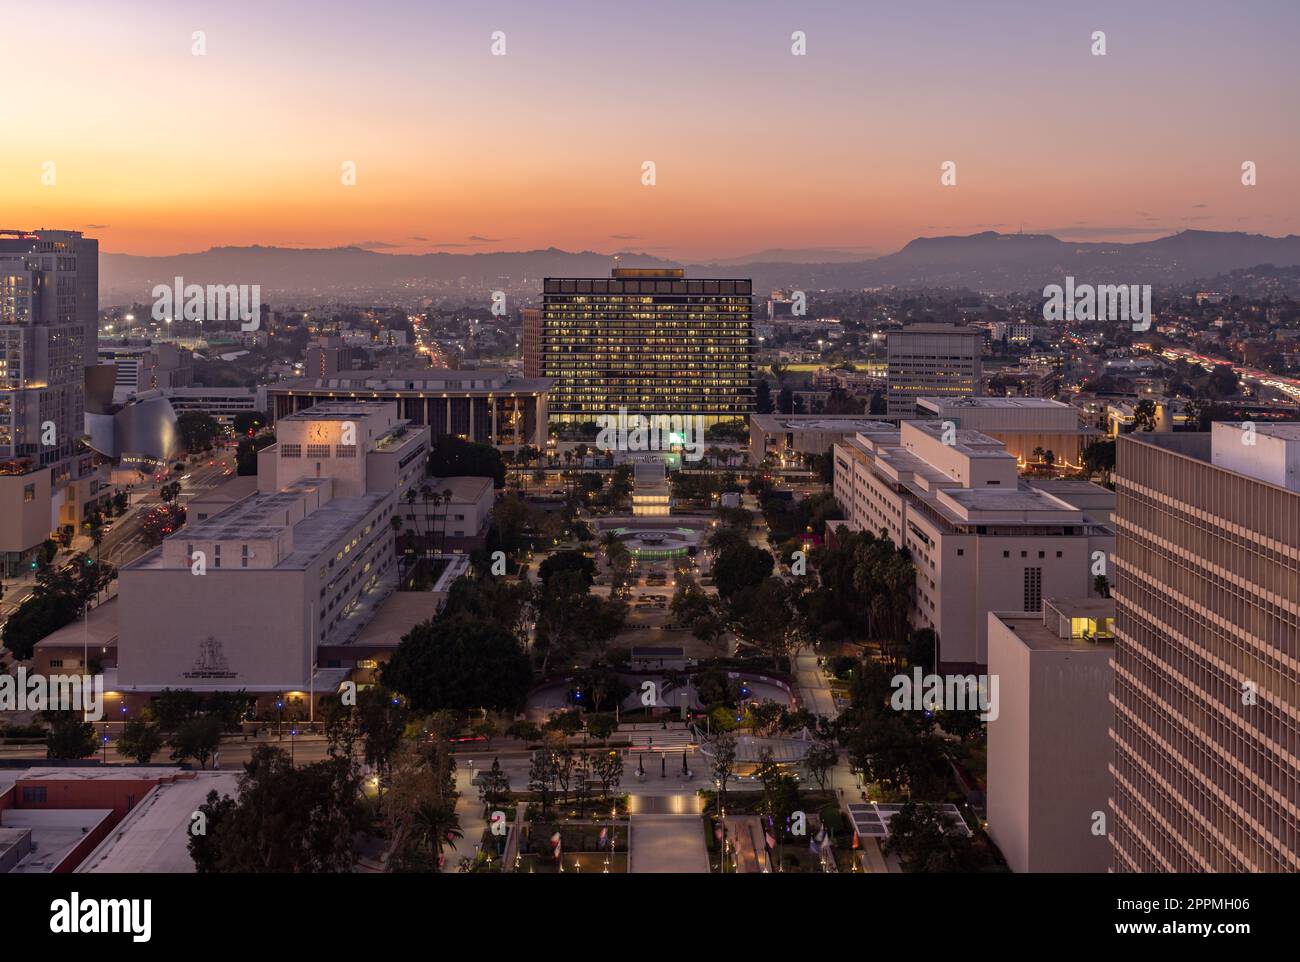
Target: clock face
[[317, 432]]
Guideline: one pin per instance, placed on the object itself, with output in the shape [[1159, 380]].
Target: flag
[[555, 845], [816, 842]]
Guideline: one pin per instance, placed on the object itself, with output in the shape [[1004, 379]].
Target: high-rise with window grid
[[649, 340]]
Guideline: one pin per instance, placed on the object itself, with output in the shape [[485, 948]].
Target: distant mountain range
[[987, 261]]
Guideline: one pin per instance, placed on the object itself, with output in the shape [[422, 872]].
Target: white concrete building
[[1022, 424], [1049, 746], [982, 540], [245, 598]]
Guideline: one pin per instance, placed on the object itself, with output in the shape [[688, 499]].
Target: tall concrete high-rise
[[649, 340], [48, 337], [931, 360], [1207, 653]]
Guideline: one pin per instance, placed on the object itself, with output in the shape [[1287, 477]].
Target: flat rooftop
[[1285, 431], [250, 520], [154, 837], [98, 773], [846, 423], [937, 327], [1005, 499], [333, 411], [969, 442], [463, 489], [396, 616], [992, 402], [100, 627], [1029, 628], [436, 380], [55, 833]]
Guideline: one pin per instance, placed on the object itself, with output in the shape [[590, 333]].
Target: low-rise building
[[790, 435], [488, 406], [1023, 425], [221, 403]]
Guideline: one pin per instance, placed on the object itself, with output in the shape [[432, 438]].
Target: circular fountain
[[655, 544]]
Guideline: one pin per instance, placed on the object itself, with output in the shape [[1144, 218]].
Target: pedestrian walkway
[[660, 844], [749, 843], [814, 690], [470, 812]]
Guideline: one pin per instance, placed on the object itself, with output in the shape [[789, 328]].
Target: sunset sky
[[159, 151]]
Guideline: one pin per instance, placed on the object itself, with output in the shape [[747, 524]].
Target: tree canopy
[[459, 663]]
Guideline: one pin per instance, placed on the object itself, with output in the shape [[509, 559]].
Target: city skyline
[[460, 150], [705, 439]]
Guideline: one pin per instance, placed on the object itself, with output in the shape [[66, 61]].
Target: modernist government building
[[646, 339]]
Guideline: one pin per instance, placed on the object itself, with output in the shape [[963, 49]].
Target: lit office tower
[[48, 335], [532, 318], [1207, 654], [931, 360], [648, 340]]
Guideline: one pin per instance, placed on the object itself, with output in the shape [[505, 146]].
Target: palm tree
[[426, 495], [410, 536], [410, 502], [446, 509], [395, 522], [434, 825], [96, 538]]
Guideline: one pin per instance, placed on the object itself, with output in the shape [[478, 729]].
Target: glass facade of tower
[[651, 341], [43, 331]]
